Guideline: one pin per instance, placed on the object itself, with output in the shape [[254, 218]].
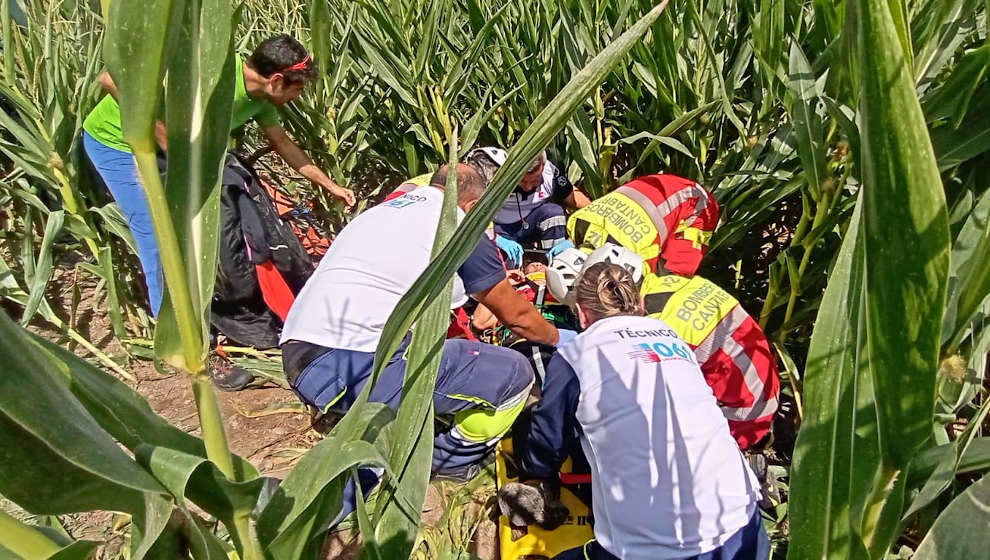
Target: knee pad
[[489, 425]]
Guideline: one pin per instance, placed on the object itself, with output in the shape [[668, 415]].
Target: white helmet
[[563, 272], [616, 254]]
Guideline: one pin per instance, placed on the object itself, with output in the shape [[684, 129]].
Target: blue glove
[[566, 336], [513, 251], [559, 248]]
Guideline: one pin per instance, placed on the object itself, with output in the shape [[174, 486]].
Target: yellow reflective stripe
[[482, 426], [651, 210], [472, 399], [654, 284], [698, 237], [695, 308], [334, 400], [585, 547]]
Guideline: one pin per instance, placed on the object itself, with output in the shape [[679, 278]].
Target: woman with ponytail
[[668, 480]]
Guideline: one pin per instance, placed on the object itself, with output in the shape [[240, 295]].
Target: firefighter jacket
[[733, 352], [666, 219]]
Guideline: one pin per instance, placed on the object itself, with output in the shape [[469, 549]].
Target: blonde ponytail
[[605, 290]]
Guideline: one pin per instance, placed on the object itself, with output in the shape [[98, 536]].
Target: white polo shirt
[[372, 264], [668, 480]]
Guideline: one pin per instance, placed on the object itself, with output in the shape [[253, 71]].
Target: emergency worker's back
[[668, 479]]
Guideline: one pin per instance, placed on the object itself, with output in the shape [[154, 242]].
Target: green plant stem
[[210, 417], [172, 260], [211, 421], [6, 34], [809, 245], [251, 548], [768, 303], [874, 506], [23, 540]]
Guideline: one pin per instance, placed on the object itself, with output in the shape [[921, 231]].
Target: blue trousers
[[119, 171], [543, 228], [749, 543], [480, 389]]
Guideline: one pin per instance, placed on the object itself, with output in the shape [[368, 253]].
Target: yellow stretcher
[[539, 543]]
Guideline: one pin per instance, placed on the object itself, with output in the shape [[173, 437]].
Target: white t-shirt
[[668, 480], [372, 264]]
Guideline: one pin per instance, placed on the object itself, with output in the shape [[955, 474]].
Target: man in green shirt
[[274, 75]]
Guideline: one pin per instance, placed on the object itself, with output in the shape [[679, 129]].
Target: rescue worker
[[273, 76], [334, 326], [733, 352], [533, 215], [729, 344], [666, 219], [667, 479]]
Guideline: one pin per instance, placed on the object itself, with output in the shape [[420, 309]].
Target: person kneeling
[[668, 480], [334, 326]]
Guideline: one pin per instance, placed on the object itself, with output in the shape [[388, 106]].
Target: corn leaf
[[309, 499], [411, 452], [20, 540], [970, 279], [57, 459], [955, 145], [963, 529], [119, 409], [194, 477], [946, 469], [976, 458], [43, 267], [319, 42], [199, 103], [802, 104], [76, 551], [952, 99], [837, 450], [904, 200]]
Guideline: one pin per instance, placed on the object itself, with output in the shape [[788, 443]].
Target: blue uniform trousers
[[480, 389]]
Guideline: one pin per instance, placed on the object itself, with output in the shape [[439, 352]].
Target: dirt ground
[[259, 428]]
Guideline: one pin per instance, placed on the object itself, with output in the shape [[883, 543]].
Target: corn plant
[[885, 333], [168, 466], [50, 87], [846, 141]]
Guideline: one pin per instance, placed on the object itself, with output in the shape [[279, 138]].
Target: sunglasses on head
[[298, 66]]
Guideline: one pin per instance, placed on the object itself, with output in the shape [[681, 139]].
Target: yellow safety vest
[[615, 218], [693, 307]]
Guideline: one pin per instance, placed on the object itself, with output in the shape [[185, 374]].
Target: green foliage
[[960, 532], [295, 518], [846, 142]]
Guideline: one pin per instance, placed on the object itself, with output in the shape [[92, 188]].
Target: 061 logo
[[659, 351]]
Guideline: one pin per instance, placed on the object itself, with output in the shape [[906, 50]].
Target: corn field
[[847, 142]]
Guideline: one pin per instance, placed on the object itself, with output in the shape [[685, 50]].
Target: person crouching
[[668, 480]]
